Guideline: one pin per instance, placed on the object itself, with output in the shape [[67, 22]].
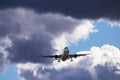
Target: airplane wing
[[76, 55], [53, 56]]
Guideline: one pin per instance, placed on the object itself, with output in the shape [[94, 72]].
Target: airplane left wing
[[53, 56]]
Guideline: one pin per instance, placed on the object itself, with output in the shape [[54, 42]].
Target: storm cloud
[[33, 35], [77, 8]]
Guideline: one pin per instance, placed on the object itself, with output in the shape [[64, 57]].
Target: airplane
[[65, 56]]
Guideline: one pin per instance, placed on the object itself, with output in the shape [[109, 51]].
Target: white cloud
[[81, 31], [105, 54], [89, 67], [113, 23], [4, 43], [33, 69]]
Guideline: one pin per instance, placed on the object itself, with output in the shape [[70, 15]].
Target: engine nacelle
[[56, 56], [75, 56]]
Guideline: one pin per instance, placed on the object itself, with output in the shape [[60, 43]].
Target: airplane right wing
[[76, 55]]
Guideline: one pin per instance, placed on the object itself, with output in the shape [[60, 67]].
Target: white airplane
[[65, 55]]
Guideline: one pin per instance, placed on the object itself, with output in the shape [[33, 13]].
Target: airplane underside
[[65, 55], [64, 58]]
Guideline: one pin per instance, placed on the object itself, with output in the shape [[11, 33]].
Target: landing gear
[[58, 60], [71, 60]]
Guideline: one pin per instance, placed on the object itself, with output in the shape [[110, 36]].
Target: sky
[[33, 28]]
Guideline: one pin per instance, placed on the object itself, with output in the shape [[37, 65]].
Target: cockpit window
[[66, 49]]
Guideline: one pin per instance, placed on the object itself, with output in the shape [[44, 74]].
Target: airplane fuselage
[[65, 55]]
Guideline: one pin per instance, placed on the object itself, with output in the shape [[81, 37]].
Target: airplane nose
[[66, 48]]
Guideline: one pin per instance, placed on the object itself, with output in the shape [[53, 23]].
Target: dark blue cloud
[[31, 34], [106, 72], [77, 8]]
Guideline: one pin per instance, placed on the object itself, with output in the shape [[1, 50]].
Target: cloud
[[82, 31], [113, 23], [2, 61], [102, 64], [32, 35], [80, 8], [4, 43]]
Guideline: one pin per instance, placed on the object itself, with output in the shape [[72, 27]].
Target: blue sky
[[105, 35], [10, 73]]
